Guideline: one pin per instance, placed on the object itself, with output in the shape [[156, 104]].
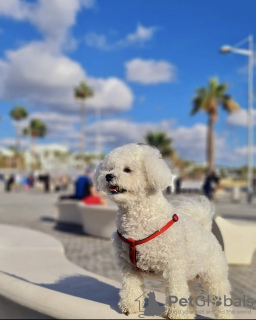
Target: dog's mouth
[[116, 190]]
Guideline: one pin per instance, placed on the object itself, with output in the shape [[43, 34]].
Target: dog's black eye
[[127, 170]]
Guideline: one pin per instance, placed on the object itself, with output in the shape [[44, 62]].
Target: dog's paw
[[129, 309], [168, 314], [165, 315]]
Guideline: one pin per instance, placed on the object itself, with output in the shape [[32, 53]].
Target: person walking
[[210, 185]]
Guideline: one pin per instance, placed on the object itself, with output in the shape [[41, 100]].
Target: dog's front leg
[[132, 289], [176, 288]]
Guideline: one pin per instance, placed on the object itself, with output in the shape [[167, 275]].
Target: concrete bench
[[38, 282], [239, 239], [98, 221], [68, 212]]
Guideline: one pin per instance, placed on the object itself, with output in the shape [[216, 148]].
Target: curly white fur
[[185, 252], [198, 208]]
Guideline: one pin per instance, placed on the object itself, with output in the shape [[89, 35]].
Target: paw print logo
[[216, 301]]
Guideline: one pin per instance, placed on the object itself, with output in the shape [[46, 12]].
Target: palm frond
[[161, 141], [229, 104], [213, 84], [207, 99], [36, 128], [197, 105], [18, 113], [221, 90], [83, 91]]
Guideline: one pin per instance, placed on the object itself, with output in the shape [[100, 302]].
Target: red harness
[[134, 243]]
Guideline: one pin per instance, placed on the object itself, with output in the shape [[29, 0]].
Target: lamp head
[[225, 49]]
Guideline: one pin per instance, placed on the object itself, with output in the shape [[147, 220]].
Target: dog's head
[[131, 171]]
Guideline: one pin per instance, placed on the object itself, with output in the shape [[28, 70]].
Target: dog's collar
[[133, 243]]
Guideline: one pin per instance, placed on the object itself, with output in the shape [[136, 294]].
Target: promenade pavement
[[37, 211]]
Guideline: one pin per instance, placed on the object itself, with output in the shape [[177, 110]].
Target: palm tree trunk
[[17, 137], [210, 144], [33, 152], [82, 141]]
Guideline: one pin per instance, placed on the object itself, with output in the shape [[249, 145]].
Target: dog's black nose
[[109, 177]]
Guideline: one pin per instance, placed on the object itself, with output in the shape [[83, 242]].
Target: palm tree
[[162, 142], [18, 113], [36, 129], [208, 99], [81, 93]]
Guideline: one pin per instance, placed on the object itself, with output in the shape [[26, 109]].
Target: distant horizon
[[144, 61]]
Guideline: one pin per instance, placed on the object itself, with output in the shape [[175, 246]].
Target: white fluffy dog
[[134, 176]]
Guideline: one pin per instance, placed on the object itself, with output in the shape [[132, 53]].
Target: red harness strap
[[133, 243]]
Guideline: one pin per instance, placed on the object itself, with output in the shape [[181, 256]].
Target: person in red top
[[93, 198]]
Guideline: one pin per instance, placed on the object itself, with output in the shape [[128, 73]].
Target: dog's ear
[[96, 175], [158, 174]]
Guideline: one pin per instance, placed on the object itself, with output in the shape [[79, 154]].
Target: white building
[[6, 152], [51, 156]]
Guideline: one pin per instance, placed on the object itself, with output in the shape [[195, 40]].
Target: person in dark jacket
[[82, 187], [210, 185], [9, 183], [178, 183]]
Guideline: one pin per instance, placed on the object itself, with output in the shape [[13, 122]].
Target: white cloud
[[41, 76], [37, 75], [150, 71], [190, 142], [60, 127], [124, 131], [110, 93], [15, 9], [11, 142], [52, 18], [140, 36], [98, 41], [243, 151], [55, 117], [239, 118], [58, 124]]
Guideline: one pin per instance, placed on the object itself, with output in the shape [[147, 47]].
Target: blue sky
[[144, 60]]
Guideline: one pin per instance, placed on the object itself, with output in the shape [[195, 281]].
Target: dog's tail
[[198, 208]]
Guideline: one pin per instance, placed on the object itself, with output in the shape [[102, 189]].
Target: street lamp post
[[98, 132], [248, 52]]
